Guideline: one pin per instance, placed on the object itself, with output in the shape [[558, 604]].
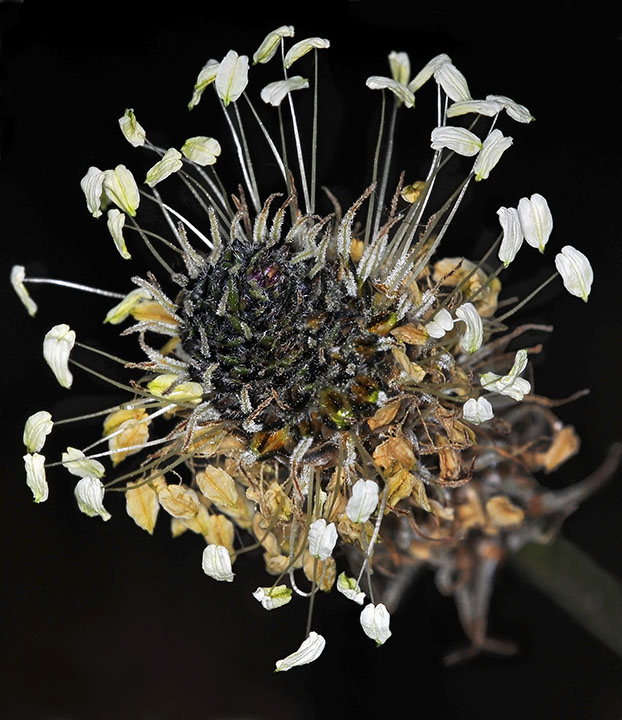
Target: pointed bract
[[310, 650], [576, 271], [57, 345]]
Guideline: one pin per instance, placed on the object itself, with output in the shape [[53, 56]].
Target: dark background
[[103, 621]]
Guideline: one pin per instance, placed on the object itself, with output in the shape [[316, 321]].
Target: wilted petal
[[441, 323], [121, 188], [275, 92], [310, 650], [375, 621], [474, 334], [453, 82], [477, 411], [37, 428], [115, 223], [322, 539], [180, 501], [270, 45], [142, 505], [363, 502], [399, 63], [493, 148], [303, 47], [350, 588], [92, 185], [379, 82], [536, 220], [273, 597], [576, 271], [201, 150], [206, 77], [481, 107], [164, 386], [122, 310], [513, 109], [460, 140], [170, 163], [35, 476], [89, 493], [427, 71], [57, 345], [217, 563], [512, 234], [232, 77], [18, 275], [133, 131], [219, 487], [78, 464]]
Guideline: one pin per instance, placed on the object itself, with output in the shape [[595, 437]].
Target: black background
[[103, 621]]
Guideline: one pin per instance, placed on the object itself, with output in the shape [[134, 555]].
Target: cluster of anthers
[[325, 383]]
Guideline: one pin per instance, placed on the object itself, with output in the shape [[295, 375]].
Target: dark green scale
[[273, 330]]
